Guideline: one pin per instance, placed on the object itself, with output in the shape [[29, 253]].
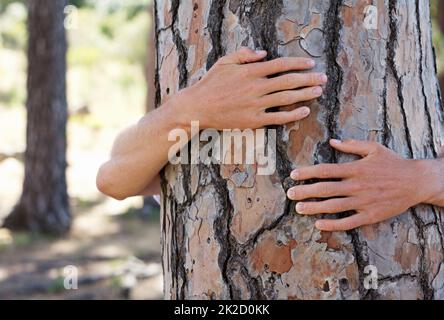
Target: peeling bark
[[228, 233]]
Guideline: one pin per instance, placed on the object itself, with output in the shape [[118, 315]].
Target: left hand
[[377, 187]]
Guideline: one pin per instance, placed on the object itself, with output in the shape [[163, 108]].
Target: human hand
[[236, 92], [377, 187]]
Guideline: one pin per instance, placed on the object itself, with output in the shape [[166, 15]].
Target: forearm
[[432, 174], [234, 94], [139, 153]]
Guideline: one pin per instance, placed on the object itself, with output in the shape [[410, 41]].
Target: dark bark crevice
[[258, 20], [332, 30], [331, 102], [222, 228], [180, 45], [431, 138], [215, 22], [393, 42], [158, 93], [423, 268], [391, 62]]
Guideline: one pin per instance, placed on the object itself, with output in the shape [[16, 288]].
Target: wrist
[[177, 113], [431, 174]]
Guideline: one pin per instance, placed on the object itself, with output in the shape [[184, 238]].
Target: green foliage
[[57, 285], [83, 55], [5, 3], [9, 97], [438, 36], [13, 27], [78, 3]]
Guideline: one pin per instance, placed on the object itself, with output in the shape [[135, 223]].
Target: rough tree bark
[[149, 203], [440, 20], [230, 233], [44, 206]]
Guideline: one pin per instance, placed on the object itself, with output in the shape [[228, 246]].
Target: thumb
[[361, 148], [244, 55]]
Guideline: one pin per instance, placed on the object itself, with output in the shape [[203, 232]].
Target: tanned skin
[[235, 94], [377, 187]]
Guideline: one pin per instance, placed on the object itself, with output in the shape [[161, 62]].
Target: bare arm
[[235, 93], [138, 155], [379, 186], [435, 177]]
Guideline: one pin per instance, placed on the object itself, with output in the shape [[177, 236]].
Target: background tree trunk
[[229, 233], [44, 205]]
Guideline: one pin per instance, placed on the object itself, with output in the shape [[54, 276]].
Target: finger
[[244, 55], [283, 117], [361, 148], [283, 65], [328, 206], [295, 81], [322, 171], [319, 190], [285, 98], [345, 224]]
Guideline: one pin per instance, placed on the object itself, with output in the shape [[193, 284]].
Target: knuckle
[[324, 172], [337, 207], [309, 94], [324, 189], [284, 98], [353, 170], [281, 63], [358, 186], [261, 121], [276, 118], [310, 208], [246, 71], [287, 81], [314, 78], [372, 217]]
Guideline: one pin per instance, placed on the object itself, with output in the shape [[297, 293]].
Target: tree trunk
[[149, 203], [224, 237], [440, 22], [44, 206]]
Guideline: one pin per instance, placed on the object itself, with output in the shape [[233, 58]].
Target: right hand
[[236, 92]]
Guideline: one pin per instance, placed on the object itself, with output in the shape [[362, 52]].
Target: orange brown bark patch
[[269, 255], [331, 240]]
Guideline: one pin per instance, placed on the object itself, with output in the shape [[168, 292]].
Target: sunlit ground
[[113, 244]]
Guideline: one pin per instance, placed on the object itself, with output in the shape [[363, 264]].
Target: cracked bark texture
[[228, 233]]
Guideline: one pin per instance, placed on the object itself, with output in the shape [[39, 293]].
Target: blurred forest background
[[115, 245]]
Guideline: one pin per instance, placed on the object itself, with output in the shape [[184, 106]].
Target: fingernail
[[294, 174], [305, 111], [317, 91], [323, 78], [319, 225], [336, 141], [290, 194], [311, 63], [300, 207], [261, 52]]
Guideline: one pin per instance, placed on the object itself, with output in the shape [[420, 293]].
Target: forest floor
[[113, 246]]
